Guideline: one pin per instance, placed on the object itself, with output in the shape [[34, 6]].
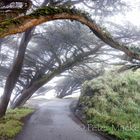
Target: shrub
[[114, 104]]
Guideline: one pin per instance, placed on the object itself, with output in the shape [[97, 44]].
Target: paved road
[[54, 121]]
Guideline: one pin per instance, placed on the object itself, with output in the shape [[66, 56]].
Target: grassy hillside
[[112, 103], [11, 124]]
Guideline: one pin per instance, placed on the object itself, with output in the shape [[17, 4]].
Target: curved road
[[53, 120]]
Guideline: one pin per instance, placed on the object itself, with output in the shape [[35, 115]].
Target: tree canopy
[[56, 47]]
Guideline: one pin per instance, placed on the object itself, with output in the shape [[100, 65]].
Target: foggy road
[[54, 121]]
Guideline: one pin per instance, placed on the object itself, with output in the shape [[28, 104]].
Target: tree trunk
[[27, 93], [14, 73], [1, 40]]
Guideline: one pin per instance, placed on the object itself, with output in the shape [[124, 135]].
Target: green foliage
[[112, 102], [44, 11], [9, 22], [11, 124], [51, 10]]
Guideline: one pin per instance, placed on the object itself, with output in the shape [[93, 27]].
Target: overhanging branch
[[46, 14]]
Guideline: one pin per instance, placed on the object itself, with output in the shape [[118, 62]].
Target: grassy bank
[[12, 123], [112, 104]]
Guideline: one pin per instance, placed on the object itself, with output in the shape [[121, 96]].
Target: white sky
[[132, 15]]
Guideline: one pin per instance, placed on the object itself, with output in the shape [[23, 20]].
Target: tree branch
[[46, 14]]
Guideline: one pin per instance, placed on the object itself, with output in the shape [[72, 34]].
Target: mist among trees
[[77, 40]]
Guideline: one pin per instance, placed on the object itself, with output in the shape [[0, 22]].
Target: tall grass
[[11, 124], [112, 103]]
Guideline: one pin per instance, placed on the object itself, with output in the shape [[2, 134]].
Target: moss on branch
[[51, 10], [41, 12], [49, 13], [10, 22]]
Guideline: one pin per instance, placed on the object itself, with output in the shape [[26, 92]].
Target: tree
[[17, 66], [55, 52], [75, 77], [25, 5], [53, 13], [14, 73], [57, 44]]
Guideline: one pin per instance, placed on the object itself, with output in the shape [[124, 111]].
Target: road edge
[[76, 113]]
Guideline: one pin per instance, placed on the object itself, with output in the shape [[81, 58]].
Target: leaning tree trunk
[[14, 73], [35, 85], [25, 95]]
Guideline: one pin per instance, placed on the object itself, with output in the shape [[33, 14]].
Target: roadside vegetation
[[11, 124], [111, 103]]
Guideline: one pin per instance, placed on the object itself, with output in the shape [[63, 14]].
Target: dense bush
[[112, 103]]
